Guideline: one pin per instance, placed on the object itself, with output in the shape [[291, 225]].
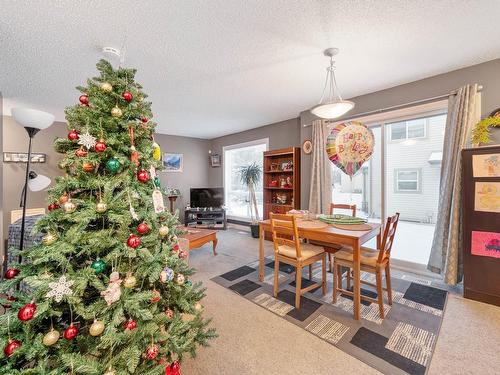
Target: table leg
[[261, 253], [214, 245], [357, 278]]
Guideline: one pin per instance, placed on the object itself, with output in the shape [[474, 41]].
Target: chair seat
[[368, 257], [307, 251]]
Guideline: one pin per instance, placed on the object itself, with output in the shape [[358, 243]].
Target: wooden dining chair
[[343, 206], [373, 261], [289, 249]]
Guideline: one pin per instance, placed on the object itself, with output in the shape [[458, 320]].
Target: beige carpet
[[255, 341]]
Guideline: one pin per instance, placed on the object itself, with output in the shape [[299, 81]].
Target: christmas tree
[[109, 289]]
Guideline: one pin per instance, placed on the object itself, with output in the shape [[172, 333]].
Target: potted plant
[[250, 176]]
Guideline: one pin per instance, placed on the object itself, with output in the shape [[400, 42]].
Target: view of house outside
[[412, 176]]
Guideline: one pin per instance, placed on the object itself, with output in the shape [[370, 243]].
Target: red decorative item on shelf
[[143, 175], [81, 152], [134, 241], [127, 95], [53, 206], [156, 296], [84, 99], [73, 135], [11, 347], [100, 146], [27, 312], [173, 369], [142, 228], [11, 273], [151, 352], [130, 325], [71, 332], [273, 183]]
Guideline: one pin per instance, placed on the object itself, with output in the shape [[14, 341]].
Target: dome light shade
[[332, 110], [38, 182], [32, 118], [331, 105]]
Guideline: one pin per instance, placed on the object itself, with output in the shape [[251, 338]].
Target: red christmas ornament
[[156, 296], [100, 146], [81, 152], [127, 95], [27, 312], [84, 99], [73, 135], [169, 313], [130, 325], [144, 120], [173, 369], [143, 175], [142, 228], [70, 332], [176, 247], [151, 352], [134, 241], [11, 273], [53, 206], [183, 254], [11, 347]]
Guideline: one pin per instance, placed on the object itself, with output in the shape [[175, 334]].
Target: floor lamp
[[33, 121]]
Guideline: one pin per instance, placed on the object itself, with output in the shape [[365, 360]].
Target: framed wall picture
[[173, 162], [307, 147], [215, 160]]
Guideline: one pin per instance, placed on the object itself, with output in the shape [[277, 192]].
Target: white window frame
[[397, 190], [426, 124], [233, 147]]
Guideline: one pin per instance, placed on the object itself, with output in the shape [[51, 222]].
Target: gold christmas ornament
[[116, 112], [186, 318], [198, 306], [106, 86], [101, 207], [156, 151], [51, 337], [69, 207], [110, 372], [97, 328], [129, 281], [180, 279], [49, 239], [163, 230]]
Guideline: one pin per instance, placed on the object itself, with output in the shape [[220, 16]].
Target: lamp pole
[[31, 133]]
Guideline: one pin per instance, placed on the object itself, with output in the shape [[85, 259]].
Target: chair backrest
[[342, 206], [285, 232], [17, 214], [388, 238]]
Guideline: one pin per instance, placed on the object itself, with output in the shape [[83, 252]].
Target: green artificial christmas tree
[[110, 288]]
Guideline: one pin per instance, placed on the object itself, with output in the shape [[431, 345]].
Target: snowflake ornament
[[87, 140], [60, 288]]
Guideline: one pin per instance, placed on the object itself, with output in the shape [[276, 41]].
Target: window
[[407, 180], [236, 197], [410, 129]]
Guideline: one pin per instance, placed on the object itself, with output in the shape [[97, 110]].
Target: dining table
[[325, 233]]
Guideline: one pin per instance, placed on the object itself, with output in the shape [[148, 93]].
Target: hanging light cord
[[332, 80]]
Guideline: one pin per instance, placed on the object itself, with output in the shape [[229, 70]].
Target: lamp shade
[[333, 109], [38, 182], [32, 118]]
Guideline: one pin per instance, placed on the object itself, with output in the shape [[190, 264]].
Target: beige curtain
[[446, 258], [320, 195]]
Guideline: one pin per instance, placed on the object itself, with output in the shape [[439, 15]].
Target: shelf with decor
[[281, 180]]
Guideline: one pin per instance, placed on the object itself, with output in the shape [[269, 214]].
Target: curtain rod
[[398, 106]]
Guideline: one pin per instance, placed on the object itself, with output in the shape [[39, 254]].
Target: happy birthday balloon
[[349, 145]]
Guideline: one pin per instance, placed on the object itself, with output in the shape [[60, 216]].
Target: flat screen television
[[207, 197]]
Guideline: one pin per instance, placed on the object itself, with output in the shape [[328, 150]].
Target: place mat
[[311, 224], [341, 219], [352, 226]]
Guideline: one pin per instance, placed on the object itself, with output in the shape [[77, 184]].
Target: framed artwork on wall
[[173, 162], [215, 160]]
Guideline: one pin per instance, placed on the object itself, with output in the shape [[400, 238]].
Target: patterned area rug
[[402, 343]]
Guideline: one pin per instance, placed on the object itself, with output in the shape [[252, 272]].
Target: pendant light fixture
[[331, 104]]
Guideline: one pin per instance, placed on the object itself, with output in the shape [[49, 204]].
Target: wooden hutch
[[281, 180]]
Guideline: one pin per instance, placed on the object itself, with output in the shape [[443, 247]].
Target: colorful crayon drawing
[[487, 197], [487, 165], [486, 244]]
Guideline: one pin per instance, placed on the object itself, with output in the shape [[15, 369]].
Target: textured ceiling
[[222, 66]]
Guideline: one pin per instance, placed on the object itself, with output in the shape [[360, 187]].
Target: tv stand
[[198, 217]]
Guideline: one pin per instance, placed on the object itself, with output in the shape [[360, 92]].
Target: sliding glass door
[[402, 176], [236, 193]]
